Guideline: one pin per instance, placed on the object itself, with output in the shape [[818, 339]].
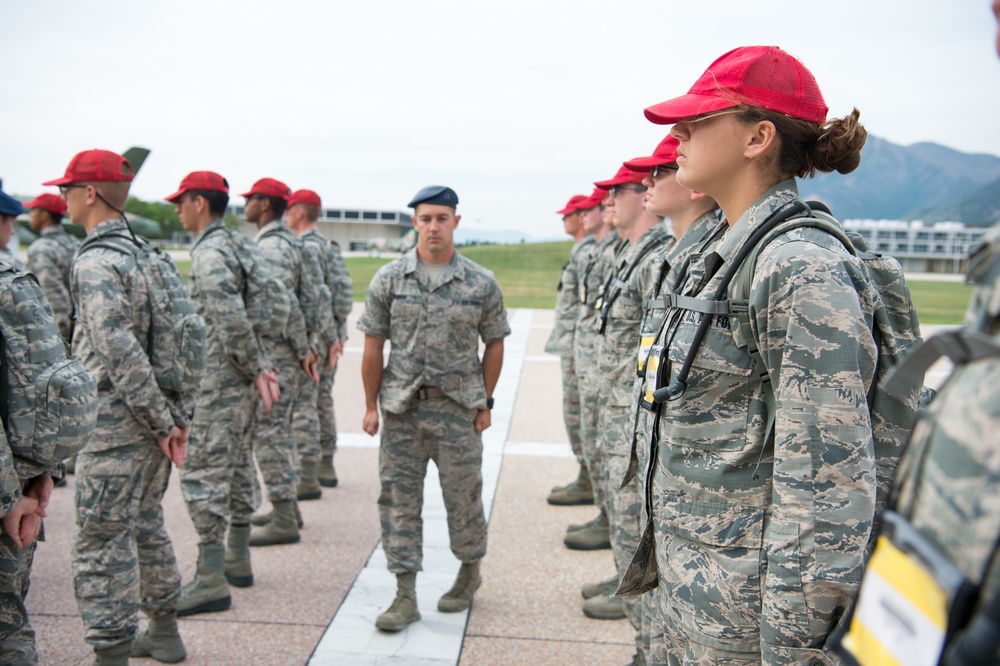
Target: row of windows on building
[[341, 214]]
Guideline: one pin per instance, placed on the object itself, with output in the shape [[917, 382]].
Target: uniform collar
[[212, 226]]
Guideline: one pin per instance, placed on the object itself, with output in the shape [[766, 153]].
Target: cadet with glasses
[[761, 532]]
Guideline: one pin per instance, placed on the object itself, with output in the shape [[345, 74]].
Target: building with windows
[[939, 247], [355, 230]]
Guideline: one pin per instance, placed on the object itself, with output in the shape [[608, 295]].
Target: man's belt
[[425, 392]]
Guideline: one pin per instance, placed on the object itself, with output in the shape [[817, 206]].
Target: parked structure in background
[[939, 247], [356, 230]]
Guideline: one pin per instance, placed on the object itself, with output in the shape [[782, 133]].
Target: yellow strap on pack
[[645, 343]]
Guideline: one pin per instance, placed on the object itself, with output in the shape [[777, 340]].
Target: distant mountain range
[[925, 181]]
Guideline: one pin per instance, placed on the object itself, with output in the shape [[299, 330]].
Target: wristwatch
[[489, 403]]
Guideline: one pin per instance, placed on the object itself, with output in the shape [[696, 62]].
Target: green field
[[528, 275]]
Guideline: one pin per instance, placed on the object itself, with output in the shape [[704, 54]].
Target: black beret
[[435, 194]]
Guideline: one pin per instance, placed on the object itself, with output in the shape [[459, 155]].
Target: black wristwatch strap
[[489, 403]]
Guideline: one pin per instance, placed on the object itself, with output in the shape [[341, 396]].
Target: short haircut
[[217, 201], [115, 191], [278, 206], [312, 212]]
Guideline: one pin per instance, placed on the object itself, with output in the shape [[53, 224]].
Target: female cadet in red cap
[[761, 529]]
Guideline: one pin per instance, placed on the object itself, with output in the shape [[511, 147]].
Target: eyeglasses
[[708, 116], [662, 169], [613, 192], [64, 189]]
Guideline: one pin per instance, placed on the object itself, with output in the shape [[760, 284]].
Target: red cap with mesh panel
[[595, 199], [762, 76], [95, 166], [269, 187], [665, 153], [571, 205], [623, 176], [199, 180], [307, 197], [53, 203]]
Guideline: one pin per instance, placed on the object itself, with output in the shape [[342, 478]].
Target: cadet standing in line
[[50, 256], [274, 437], [10, 208], [761, 533], [591, 269], [948, 493], [122, 555], [39, 429], [219, 479], [560, 342], [619, 325], [306, 207], [694, 223], [303, 209], [433, 305]]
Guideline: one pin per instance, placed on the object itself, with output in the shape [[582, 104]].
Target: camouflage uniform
[[594, 267], [49, 257], [273, 435], [616, 360], [17, 637], [665, 274], [433, 328], [760, 545], [10, 258], [338, 281], [561, 341], [948, 486], [218, 478], [122, 555]]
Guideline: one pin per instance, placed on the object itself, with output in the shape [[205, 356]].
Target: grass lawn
[[528, 275]]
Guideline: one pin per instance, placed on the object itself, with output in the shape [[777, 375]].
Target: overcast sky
[[516, 104]]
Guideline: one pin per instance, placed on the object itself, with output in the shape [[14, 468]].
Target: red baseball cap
[[665, 153], [595, 199], [95, 166], [269, 187], [200, 180], [761, 76], [572, 204], [623, 176], [53, 203], [307, 197]]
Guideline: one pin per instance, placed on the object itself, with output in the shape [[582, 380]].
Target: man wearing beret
[[433, 305], [10, 208], [317, 462], [50, 256]]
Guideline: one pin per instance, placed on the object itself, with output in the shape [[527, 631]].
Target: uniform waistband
[[425, 392]]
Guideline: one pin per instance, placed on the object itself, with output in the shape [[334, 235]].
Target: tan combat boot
[[580, 491], [595, 536], [116, 655], [309, 488], [283, 527], [605, 587], [459, 597], [403, 610], [326, 473], [603, 607], [160, 640], [209, 591], [261, 519], [238, 570]]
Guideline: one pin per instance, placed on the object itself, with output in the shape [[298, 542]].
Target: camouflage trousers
[[305, 420], [624, 505], [272, 435], [327, 415], [571, 406], [592, 455], [650, 603], [17, 637], [218, 478], [122, 555], [441, 430]]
